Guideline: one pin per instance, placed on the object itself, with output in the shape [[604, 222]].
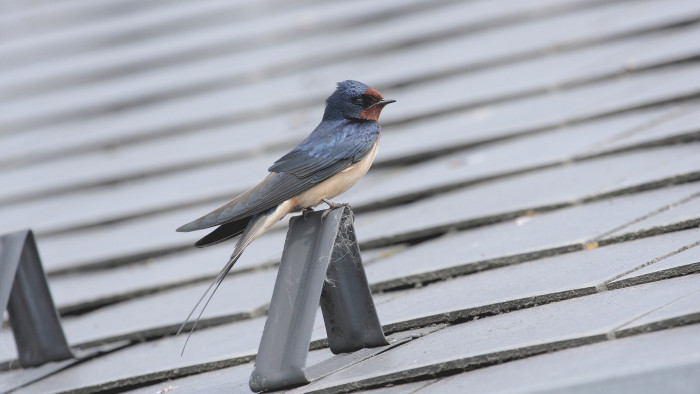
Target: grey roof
[[531, 221]]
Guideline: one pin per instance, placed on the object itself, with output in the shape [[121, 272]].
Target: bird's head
[[354, 100]]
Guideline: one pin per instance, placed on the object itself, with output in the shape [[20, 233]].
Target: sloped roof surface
[[531, 220]]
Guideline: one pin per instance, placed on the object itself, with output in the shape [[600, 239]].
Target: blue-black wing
[[329, 143], [323, 154]]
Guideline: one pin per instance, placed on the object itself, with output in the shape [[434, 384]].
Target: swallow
[[337, 153]]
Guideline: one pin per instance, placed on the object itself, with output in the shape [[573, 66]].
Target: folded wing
[[312, 162]]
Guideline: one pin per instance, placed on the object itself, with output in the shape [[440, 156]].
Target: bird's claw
[[331, 206], [306, 211], [334, 205]]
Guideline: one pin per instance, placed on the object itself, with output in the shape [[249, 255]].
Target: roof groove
[[400, 160], [425, 278], [215, 85], [295, 103], [451, 368], [409, 235], [403, 198], [112, 71], [100, 36], [472, 268], [54, 15], [457, 318]]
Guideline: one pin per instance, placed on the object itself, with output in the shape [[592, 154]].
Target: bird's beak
[[382, 103]]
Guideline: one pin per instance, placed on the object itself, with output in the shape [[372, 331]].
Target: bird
[[337, 153]]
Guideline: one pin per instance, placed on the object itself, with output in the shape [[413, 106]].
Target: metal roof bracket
[[321, 260], [24, 293]]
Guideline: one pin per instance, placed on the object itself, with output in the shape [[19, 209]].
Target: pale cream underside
[[279, 213], [327, 189], [337, 184]]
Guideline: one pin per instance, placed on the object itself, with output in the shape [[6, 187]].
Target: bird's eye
[[364, 101]]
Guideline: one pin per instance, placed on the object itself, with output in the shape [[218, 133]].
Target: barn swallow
[[327, 163]]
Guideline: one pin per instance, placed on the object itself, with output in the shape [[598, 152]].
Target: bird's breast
[[338, 183]]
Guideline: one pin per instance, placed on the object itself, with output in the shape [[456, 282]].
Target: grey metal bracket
[[24, 293], [320, 262]]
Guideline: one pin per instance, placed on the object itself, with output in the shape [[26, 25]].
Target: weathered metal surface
[[25, 294], [321, 261], [571, 323]]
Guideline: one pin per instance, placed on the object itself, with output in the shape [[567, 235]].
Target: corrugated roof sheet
[[531, 218]]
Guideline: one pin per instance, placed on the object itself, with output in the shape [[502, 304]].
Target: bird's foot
[[306, 211], [332, 205]]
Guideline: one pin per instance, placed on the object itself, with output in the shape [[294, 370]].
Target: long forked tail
[[256, 227]]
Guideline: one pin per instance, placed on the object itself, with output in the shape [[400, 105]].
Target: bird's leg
[[306, 211], [332, 205]]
